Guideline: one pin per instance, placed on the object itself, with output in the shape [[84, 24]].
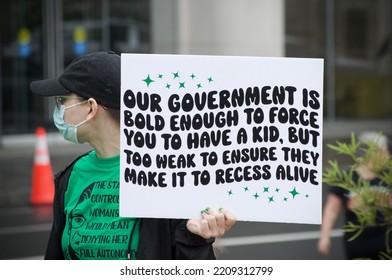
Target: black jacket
[[160, 239]]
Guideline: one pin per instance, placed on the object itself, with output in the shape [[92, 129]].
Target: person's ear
[[92, 108]]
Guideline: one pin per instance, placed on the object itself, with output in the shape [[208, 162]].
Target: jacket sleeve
[[191, 246], [169, 239], [54, 250]]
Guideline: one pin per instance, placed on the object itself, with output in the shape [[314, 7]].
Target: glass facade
[[360, 54], [40, 37]]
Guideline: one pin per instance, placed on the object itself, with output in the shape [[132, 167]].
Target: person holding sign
[[87, 224], [372, 240]]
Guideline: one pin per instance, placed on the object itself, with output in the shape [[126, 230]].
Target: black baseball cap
[[94, 75]]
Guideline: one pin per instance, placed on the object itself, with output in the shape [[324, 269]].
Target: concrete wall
[[218, 27]]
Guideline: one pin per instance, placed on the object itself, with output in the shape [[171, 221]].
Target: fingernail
[[220, 209], [207, 209], [202, 211]]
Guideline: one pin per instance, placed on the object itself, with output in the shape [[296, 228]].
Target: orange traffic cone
[[42, 182]]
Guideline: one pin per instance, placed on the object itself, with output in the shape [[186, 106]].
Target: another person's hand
[[212, 224], [324, 245]]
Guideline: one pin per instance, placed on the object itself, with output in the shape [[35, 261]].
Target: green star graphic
[[294, 192], [307, 196], [175, 75], [230, 192], [193, 76], [182, 85], [256, 196], [168, 86], [266, 189], [271, 199], [285, 199], [210, 79], [246, 189], [148, 80], [277, 190], [160, 76], [198, 85]]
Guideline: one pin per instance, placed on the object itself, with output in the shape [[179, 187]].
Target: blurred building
[[39, 38]]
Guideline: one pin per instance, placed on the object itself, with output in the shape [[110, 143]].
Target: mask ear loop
[[74, 105], [79, 124], [87, 119]]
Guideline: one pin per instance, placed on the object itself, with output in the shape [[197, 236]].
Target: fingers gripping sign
[[212, 224]]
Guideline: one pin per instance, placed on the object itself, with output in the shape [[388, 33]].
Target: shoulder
[[67, 170]]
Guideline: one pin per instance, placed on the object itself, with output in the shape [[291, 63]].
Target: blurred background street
[[39, 38], [24, 228]]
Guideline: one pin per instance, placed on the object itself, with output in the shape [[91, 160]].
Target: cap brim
[[50, 87]]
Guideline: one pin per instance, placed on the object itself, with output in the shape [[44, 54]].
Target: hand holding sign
[[212, 224]]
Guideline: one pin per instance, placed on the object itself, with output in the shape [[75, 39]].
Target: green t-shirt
[[93, 227]]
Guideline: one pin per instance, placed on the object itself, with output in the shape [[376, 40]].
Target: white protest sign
[[240, 133]]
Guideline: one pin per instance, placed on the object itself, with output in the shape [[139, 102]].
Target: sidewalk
[[17, 160], [342, 129]]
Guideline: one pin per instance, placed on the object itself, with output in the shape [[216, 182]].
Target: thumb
[[193, 226]]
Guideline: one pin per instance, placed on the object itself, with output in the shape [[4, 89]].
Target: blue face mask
[[68, 131]]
